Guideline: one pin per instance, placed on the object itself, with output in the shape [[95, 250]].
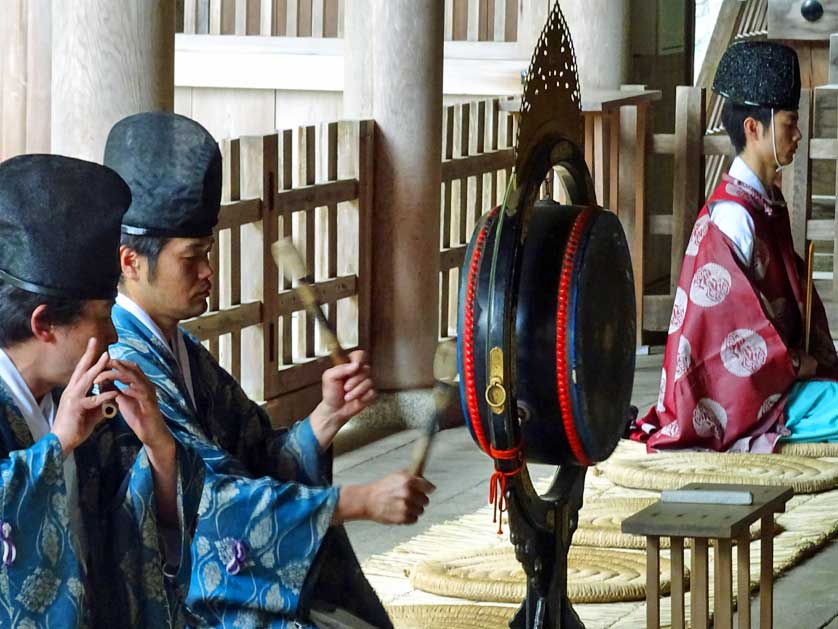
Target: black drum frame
[[541, 526]]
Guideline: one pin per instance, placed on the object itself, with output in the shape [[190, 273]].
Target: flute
[[109, 408]]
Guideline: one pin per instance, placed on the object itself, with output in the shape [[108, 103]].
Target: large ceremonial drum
[[574, 349]]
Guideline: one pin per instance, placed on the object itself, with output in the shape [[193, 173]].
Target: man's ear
[[752, 129], [39, 323], [129, 262]]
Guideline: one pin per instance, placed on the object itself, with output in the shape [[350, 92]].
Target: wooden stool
[[725, 524]]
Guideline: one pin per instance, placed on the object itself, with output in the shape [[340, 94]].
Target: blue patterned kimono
[[263, 550], [121, 582]]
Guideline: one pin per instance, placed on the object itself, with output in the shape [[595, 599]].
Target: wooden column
[[797, 178], [25, 77], [766, 573], [110, 60], [677, 582], [653, 568], [688, 184], [743, 585], [699, 617], [359, 31], [407, 107]]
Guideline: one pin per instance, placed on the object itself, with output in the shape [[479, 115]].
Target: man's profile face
[[786, 137], [182, 280]]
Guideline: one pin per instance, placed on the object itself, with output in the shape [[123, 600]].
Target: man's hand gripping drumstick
[[398, 498], [347, 387]]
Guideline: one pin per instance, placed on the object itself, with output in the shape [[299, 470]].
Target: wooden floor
[[805, 598]]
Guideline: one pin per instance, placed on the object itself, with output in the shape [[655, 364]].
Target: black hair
[[17, 306], [733, 119], [147, 246]]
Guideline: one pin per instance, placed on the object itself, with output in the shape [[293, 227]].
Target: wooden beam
[[452, 258], [463, 167], [238, 213], [213, 324], [314, 196], [823, 148], [820, 229], [328, 291]]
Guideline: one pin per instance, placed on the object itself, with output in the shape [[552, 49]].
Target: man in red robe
[[736, 374]]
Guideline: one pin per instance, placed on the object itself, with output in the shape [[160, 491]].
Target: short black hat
[[59, 226], [759, 73], [173, 167]]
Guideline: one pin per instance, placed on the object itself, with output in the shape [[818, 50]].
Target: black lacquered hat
[[759, 73], [173, 167], [59, 226]]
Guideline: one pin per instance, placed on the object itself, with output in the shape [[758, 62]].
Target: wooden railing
[[477, 141], [279, 18], [313, 185], [688, 148], [465, 20]]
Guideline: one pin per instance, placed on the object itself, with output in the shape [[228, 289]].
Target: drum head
[[574, 334]]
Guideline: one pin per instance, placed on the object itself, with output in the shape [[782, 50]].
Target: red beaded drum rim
[[468, 340], [562, 379]]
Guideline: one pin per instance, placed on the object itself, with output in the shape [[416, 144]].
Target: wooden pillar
[[110, 60], [358, 36], [24, 77], [600, 33], [407, 107], [532, 16]]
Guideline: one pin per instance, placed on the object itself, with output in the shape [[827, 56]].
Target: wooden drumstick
[[288, 258], [445, 374], [807, 313]]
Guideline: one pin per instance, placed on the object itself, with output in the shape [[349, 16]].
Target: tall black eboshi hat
[[761, 74]]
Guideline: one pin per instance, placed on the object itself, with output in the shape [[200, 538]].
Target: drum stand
[[541, 528]]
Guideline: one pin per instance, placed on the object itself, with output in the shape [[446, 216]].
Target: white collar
[[135, 309], [38, 417], [178, 351], [740, 170]]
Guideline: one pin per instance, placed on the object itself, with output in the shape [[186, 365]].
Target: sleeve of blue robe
[[291, 453], [42, 585], [257, 536], [126, 560]]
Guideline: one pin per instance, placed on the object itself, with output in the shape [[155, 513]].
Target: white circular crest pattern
[[684, 358], [659, 406], [710, 286], [672, 429], [767, 405], [709, 419], [699, 232], [761, 258], [744, 352], [679, 310]]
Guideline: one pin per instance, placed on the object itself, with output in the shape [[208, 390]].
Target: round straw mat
[[600, 521], [671, 471], [450, 616], [600, 524], [594, 575], [816, 450]]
